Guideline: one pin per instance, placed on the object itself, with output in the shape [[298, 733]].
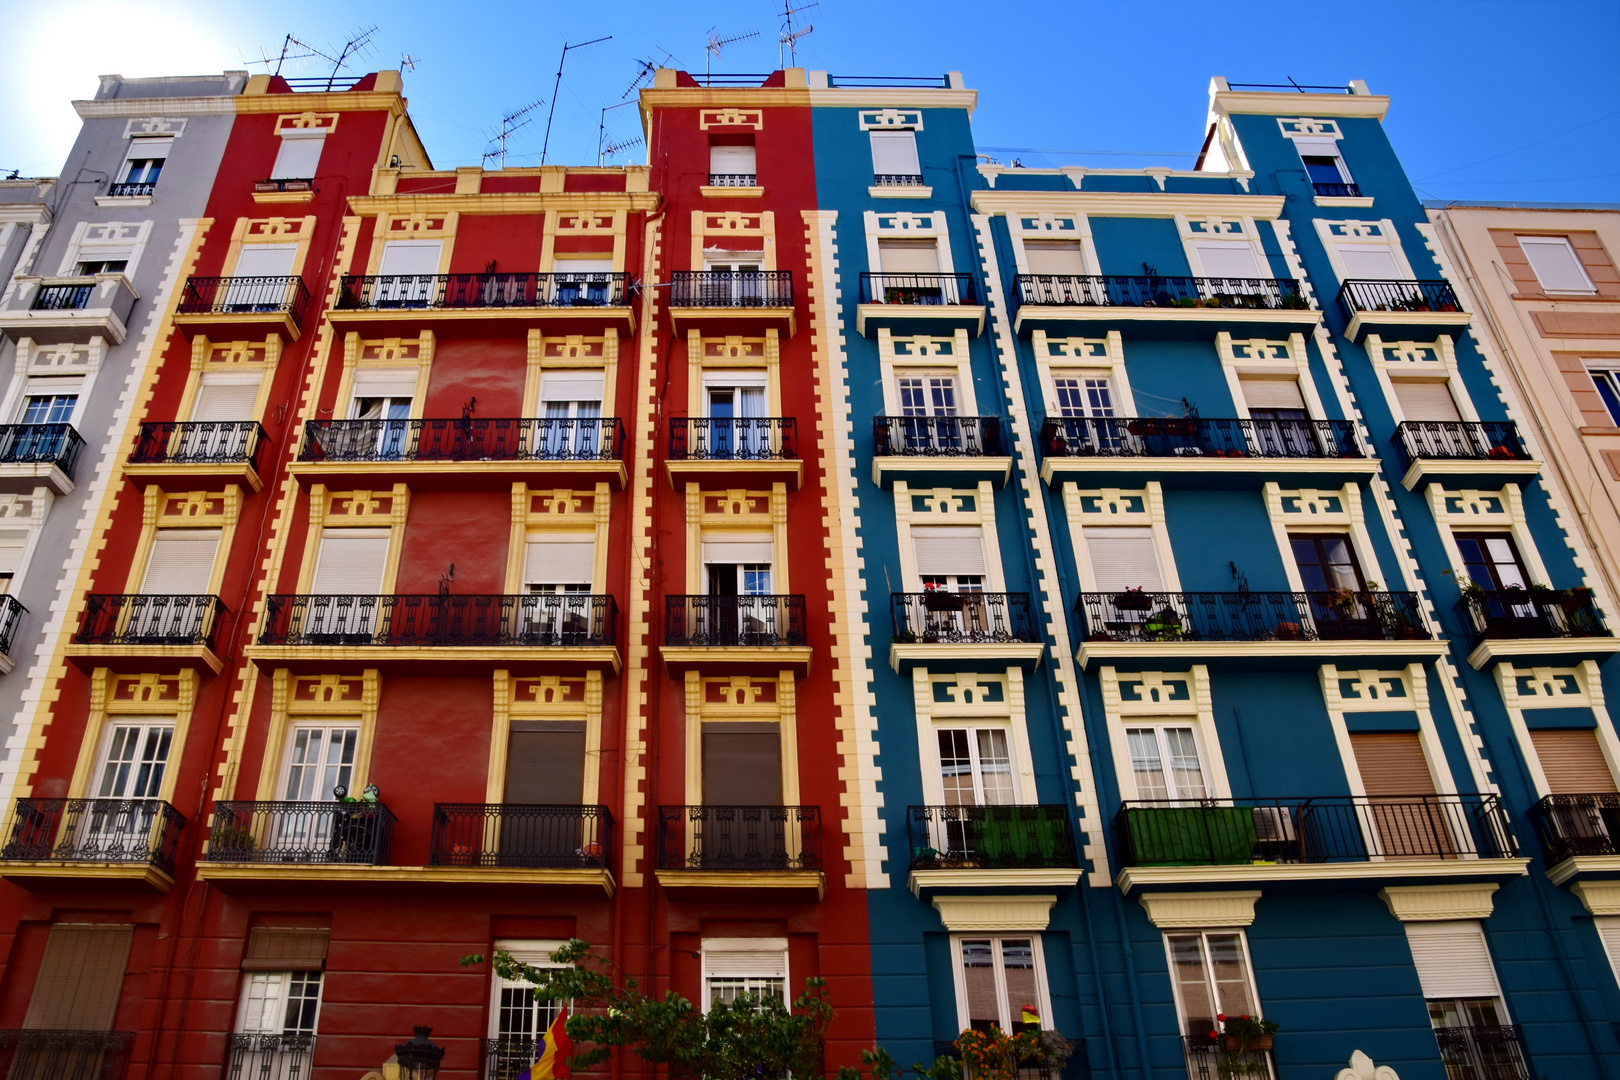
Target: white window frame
[[31, 386], [1607, 372], [145, 723], [1173, 698], [144, 148], [285, 979], [1574, 256], [83, 247], [714, 948], [302, 136], [959, 975], [1203, 933], [309, 723], [874, 134], [1320, 146], [972, 728], [1387, 238], [535, 953], [1166, 762]]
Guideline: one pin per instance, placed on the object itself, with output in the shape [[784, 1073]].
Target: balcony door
[[734, 278], [319, 762], [220, 426], [736, 569], [734, 402], [928, 409], [275, 1025], [1212, 977], [1330, 574], [975, 769], [911, 274], [545, 785], [407, 274], [518, 1020], [1491, 560], [382, 399], [1584, 811], [1466, 1007], [952, 568], [346, 588], [48, 405], [1277, 417], [740, 825], [582, 282], [1426, 400], [1126, 575], [129, 778], [1231, 273], [571, 406], [177, 578], [80, 980], [1000, 983], [1403, 818], [259, 280], [557, 574]]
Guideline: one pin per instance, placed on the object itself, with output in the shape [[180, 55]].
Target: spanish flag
[[551, 1054]]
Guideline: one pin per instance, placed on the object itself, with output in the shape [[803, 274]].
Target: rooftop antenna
[[407, 62], [287, 53], [545, 147], [353, 47], [601, 133], [717, 45], [619, 147], [510, 123], [644, 71], [790, 37]]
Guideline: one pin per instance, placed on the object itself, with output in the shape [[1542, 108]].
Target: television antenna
[[545, 147], [619, 147], [789, 40], [356, 45], [602, 149], [718, 44], [288, 44], [510, 123], [407, 62]]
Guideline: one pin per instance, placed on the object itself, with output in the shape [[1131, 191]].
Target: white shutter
[[1317, 147], [1452, 960], [1425, 400], [908, 256], [1048, 258], [740, 550], [225, 399], [559, 560], [1124, 558], [400, 257], [1608, 928], [894, 153], [1271, 393], [384, 382], [350, 562], [1369, 263], [11, 551], [948, 551], [745, 957], [571, 386], [266, 260], [731, 160], [181, 562], [1556, 265], [151, 148], [1228, 259], [298, 157], [582, 266]]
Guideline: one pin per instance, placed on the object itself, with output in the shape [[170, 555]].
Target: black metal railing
[[390, 292], [1127, 290], [1356, 296], [127, 190], [937, 436], [509, 1057], [245, 295], [733, 180], [285, 184], [271, 1056], [989, 837], [301, 832], [754, 619], [1074, 1067], [1338, 191], [430, 619], [40, 444], [925, 290], [739, 838], [731, 288], [897, 180], [1484, 1053], [1336, 615], [199, 442], [1459, 440], [11, 613], [1215, 1059], [1571, 825], [526, 835], [942, 615], [1197, 436], [95, 830], [55, 1054], [1530, 613], [71, 296], [733, 438], [1339, 828], [580, 438], [143, 619]]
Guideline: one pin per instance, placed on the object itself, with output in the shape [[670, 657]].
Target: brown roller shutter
[[742, 765], [1392, 763], [80, 978], [286, 948], [1573, 762], [1395, 776], [1271, 393], [545, 763]]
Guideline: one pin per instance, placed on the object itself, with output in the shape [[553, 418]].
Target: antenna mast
[[510, 123], [717, 44], [789, 39], [545, 147], [601, 131]]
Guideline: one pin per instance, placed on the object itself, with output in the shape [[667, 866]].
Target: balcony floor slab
[[231, 325], [482, 322], [236, 877], [1163, 323], [706, 882], [966, 655], [1562, 649], [442, 660], [1256, 655], [79, 875], [927, 471], [925, 883], [919, 318], [156, 659], [1142, 877], [738, 320], [461, 475], [1490, 472], [728, 659], [1404, 324], [21, 477], [1585, 867], [183, 477], [1199, 471], [737, 473]]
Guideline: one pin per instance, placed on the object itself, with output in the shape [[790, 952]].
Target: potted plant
[[233, 841], [1132, 599], [937, 599], [1164, 624], [1576, 599], [1246, 1033], [1342, 600]]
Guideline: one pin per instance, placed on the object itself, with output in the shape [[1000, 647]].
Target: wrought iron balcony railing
[[245, 296], [1488, 1053], [95, 830], [739, 838], [897, 180], [285, 184], [1530, 613], [270, 1056], [926, 290], [199, 442], [1074, 1067], [1330, 829], [731, 289], [588, 438], [1397, 296], [64, 296], [1339, 615], [733, 180], [989, 837], [142, 619], [1216, 1059], [390, 292], [301, 832], [1197, 436], [1117, 290], [944, 616], [733, 438], [527, 619], [1571, 825], [524, 835], [937, 436], [125, 191], [510, 1057], [1339, 191], [756, 620], [1459, 440], [11, 613], [40, 444], [55, 1054]]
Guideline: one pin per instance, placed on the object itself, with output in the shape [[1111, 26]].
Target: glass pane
[[1481, 1012], [1231, 974], [1100, 397], [995, 767], [913, 400], [979, 977], [1184, 766], [154, 756], [1146, 766], [1341, 562], [1506, 562], [943, 393], [303, 999], [956, 767], [262, 1011], [1197, 1002], [756, 580], [1018, 965], [1070, 400], [120, 753]]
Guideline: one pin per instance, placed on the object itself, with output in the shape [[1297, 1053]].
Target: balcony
[[1577, 834], [735, 633], [919, 304], [732, 301], [131, 191], [1198, 451], [288, 190], [11, 613], [1536, 622], [230, 307], [138, 632], [757, 847], [183, 452], [552, 451], [55, 1054], [1405, 308], [1337, 191], [31, 454], [526, 632], [1493, 1053], [92, 844], [1161, 307], [479, 305], [946, 451], [1332, 838], [1075, 1067], [274, 1056], [748, 451], [525, 844], [1218, 1059], [299, 833], [732, 186], [975, 848], [61, 310], [1479, 451], [940, 628]]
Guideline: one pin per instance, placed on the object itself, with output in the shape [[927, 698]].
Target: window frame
[[1166, 758], [238, 1024], [718, 947], [141, 149], [1574, 256], [295, 724], [959, 974], [976, 771], [535, 953], [1606, 381], [1202, 933], [891, 134]]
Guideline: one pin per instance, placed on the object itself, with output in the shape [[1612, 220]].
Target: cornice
[[855, 97], [1129, 204], [230, 105], [434, 202], [1372, 106], [212, 105]]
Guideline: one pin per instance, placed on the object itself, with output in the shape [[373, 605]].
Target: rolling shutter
[[1573, 762], [740, 964], [908, 256], [947, 551], [1228, 259], [224, 400], [1608, 929], [80, 978], [150, 148], [1452, 960], [1049, 258], [545, 763], [1425, 400], [298, 158], [1271, 393], [742, 764], [350, 562], [266, 260], [410, 257], [1391, 763], [12, 545], [286, 948], [731, 160], [741, 551], [181, 563], [1124, 558], [1369, 263], [1555, 263], [571, 386], [894, 153], [559, 560]]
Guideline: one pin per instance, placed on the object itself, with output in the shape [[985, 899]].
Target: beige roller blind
[[350, 562], [1452, 960], [1124, 559], [225, 399], [1391, 763], [1271, 393], [182, 562], [1425, 400], [12, 545], [949, 550], [1608, 928], [1054, 258], [1573, 762], [560, 560], [286, 948], [908, 256], [894, 153], [80, 978]]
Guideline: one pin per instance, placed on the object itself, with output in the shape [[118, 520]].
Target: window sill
[[1343, 200], [1609, 431], [1577, 297], [900, 192], [123, 200], [731, 192], [283, 196]]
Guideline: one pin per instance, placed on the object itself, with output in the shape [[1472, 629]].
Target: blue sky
[[1512, 99]]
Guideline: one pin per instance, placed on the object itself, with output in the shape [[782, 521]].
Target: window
[[975, 767], [894, 157], [927, 395], [1124, 559], [1058, 258], [742, 766], [320, 757], [559, 568], [545, 765], [951, 556], [1084, 395], [1396, 779], [738, 565], [1608, 928], [13, 545], [1272, 399], [145, 160], [1465, 1002], [226, 398], [135, 756], [48, 408], [80, 978], [1165, 763], [1556, 265], [1369, 262], [259, 279], [1607, 382], [908, 257], [731, 166], [1227, 259], [998, 980], [298, 157], [1572, 760], [89, 267], [1326, 562], [1492, 560], [1425, 400], [734, 966], [1322, 169], [1323, 164], [181, 562], [279, 1002], [516, 1017], [734, 402], [1210, 971]]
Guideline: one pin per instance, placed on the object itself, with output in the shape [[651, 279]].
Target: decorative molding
[[992, 913], [1362, 1068], [1185, 910], [1600, 897], [1436, 903]]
